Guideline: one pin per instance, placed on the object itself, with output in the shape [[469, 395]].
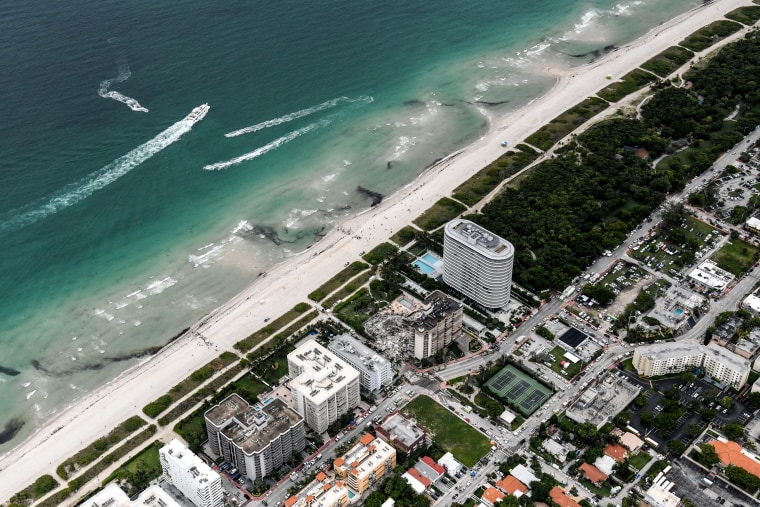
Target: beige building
[[668, 358], [436, 325], [324, 387], [258, 438]]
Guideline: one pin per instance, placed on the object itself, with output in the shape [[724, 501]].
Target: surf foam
[[82, 189], [124, 74], [297, 114]]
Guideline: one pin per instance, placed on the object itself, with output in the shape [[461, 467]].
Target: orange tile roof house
[[512, 486], [560, 498], [616, 452], [731, 453], [592, 473], [491, 496]]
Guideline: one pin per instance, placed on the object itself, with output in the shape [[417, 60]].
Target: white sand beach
[[289, 283]]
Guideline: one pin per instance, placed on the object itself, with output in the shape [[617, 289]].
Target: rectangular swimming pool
[[431, 259], [424, 268]]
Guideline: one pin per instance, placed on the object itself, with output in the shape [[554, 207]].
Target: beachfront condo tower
[[190, 475], [478, 263]]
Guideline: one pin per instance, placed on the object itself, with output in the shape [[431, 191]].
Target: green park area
[[572, 368], [668, 61], [447, 430], [737, 256], [634, 80]]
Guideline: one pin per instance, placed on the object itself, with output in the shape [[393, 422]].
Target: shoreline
[[288, 283]]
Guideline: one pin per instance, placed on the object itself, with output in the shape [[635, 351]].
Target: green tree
[[693, 430], [707, 455], [733, 431], [676, 447]]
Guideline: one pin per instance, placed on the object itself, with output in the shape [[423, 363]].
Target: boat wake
[[80, 190], [124, 74], [298, 114], [268, 147]]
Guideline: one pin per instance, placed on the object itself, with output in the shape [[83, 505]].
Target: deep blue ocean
[[121, 223]]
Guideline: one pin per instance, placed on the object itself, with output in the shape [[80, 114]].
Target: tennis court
[[522, 390]]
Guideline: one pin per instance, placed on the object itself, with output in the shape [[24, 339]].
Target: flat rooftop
[[252, 427], [320, 372], [364, 457], [436, 307], [480, 239], [351, 347], [402, 429], [191, 463], [671, 350], [726, 357]]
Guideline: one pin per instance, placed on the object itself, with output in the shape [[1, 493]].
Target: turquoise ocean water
[[114, 236]]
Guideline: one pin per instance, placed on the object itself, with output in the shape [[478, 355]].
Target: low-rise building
[[631, 441], [731, 453], [616, 452], [324, 387], [593, 474], [365, 463], [659, 495], [403, 433], [190, 475], [512, 486], [752, 304], [429, 468], [258, 438], [491, 496], [555, 448], [418, 482], [709, 277], [374, 370], [523, 474], [559, 497], [605, 464], [321, 492], [752, 225]]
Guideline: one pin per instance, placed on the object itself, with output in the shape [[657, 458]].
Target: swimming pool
[[428, 270], [268, 401], [431, 259], [678, 311]]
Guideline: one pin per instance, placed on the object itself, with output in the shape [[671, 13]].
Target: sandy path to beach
[[289, 283]]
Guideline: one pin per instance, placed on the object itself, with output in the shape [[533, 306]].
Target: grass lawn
[[447, 430], [441, 212], [380, 253], [545, 137], [348, 289], [639, 460], [710, 34], [280, 322], [736, 256], [634, 80], [333, 283], [602, 492], [488, 178], [144, 467], [404, 236], [668, 61], [747, 15], [699, 227], [573, 368]]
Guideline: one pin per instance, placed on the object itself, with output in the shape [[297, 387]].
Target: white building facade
[[477, 263], [190, 475], [374, 370], [324, 387]]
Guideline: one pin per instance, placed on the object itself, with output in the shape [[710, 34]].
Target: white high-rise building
[[375, 371], [190, 475], [478, 263], [324, 386]]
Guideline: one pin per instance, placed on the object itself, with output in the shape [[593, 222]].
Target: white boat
[[198, 113]]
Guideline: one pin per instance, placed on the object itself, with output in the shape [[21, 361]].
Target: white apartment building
[[668, 358], [374, 370], [324, 387], [113, 496], [190, 475], [257, 438], [477, 263]]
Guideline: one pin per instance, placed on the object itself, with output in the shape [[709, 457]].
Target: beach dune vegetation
[[439, 213], [545, 137], [668, 61], [710, 35], [342, 277], [631, 82]]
